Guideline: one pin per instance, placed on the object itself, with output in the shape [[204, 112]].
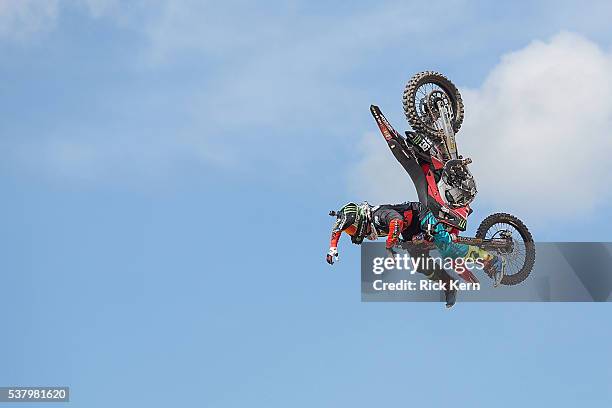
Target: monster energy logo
[[421, 141], [349, 208], [462, 223]]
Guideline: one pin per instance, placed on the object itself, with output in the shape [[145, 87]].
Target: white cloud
[[538, 130], [100, 8], [539, 127], [272, 72], [20, 18], [275, 61], [268, 72]]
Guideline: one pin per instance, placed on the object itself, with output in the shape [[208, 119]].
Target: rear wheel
[[521, 257]]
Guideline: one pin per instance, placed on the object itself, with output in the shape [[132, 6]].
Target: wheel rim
[[515, 259], [424, 105]]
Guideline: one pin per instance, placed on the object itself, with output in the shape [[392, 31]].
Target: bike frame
[[492, 244], [423, 168]]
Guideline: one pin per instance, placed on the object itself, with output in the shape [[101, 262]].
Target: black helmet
[[353, 214]]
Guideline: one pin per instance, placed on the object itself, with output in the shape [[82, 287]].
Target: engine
[[457, 185]]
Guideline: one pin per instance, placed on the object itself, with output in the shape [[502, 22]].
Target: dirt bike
[[444, 184]]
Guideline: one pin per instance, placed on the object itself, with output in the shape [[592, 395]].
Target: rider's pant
[[445, 244]]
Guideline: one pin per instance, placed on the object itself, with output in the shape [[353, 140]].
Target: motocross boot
[[495, 268], [494, 265], [450, 294]]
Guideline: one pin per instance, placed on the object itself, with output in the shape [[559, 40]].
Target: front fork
[[447, 127]]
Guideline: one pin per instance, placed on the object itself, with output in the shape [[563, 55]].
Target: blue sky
[[167, 170]]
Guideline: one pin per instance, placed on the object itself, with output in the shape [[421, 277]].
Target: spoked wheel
[[421, 97], [520, 257]]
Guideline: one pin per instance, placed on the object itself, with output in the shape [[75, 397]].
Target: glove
[[331, 254]]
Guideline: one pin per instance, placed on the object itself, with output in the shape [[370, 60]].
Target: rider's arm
[[336, 233], [333, 247], [333, 243], [335, 237]]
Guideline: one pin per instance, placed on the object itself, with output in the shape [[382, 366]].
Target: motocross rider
[[405, 222]]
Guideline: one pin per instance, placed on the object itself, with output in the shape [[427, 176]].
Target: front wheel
[[421, 97], [521, 257]]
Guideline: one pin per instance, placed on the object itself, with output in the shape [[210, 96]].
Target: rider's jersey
[[391, 220], [407, 212]]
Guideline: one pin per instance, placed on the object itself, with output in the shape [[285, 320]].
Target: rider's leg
[[437, 274], [450, 249], [443, 239]]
